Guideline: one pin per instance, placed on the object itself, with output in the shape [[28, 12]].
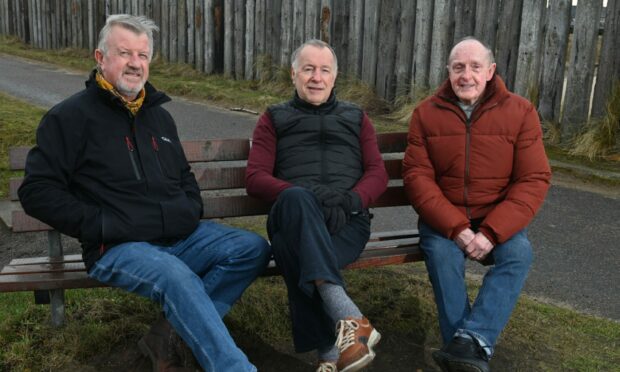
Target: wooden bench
[[220, 171]]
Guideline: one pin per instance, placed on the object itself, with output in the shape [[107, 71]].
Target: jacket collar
[[494, 92], [323, 107], [153, 96]]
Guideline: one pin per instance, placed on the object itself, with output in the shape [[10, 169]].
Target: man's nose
[[467, 72], [316, 75]]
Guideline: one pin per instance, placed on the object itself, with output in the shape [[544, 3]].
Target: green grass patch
[[18, 123], [398, 299]]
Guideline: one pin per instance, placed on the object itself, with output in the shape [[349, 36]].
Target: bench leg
[[57, 296], [57, 304]]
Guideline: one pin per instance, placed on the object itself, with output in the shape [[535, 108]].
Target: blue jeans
[[196, 281], [305, 251], [501, 286]]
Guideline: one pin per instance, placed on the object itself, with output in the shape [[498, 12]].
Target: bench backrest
[[219, 167]]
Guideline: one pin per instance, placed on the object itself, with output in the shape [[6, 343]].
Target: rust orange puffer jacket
[[491, 167]]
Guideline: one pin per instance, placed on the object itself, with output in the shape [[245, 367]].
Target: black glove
[[350, 202], [335, 218], [326, 195]]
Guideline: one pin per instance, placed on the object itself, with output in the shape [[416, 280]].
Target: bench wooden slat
[[221, 178], [17, 157], [223, 149], [46, 259], [43, 268], [47, 281]]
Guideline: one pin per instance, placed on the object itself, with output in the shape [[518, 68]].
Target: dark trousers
[[305, 251]]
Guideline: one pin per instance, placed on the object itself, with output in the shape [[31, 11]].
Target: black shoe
[[461, 355]]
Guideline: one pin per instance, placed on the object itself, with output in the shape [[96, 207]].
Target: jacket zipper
[[467, 154], [324, 179], [156, 149], [132, 157]]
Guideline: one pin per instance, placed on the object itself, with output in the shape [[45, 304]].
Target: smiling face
[[125, 64], [314, 74], [469, 70]]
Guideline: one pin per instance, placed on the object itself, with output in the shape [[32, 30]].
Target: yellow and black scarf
[[132, 106]]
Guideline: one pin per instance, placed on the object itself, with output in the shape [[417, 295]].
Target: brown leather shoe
[[162, 345], [355, 340]]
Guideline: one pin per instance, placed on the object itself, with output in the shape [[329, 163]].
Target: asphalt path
[[576, 235]]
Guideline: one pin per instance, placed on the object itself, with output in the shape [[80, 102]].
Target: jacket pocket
[[167, 156]]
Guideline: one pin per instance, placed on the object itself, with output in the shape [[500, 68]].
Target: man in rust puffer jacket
[[476, 172]]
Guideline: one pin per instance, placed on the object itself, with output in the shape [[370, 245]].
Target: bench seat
[[219, 167]]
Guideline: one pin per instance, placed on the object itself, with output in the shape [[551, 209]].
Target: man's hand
[[464, 238], [335, 218], [479, 247]]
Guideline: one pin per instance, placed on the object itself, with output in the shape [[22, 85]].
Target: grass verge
[[18, 122], [399, 299]]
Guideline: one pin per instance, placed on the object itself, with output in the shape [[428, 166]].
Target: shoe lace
[[327, 367], [346, 334]]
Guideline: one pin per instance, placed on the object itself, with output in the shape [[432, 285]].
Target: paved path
[[576, 234]]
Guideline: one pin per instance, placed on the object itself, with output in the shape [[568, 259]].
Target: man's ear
[[98, 56], [292, 73], [491, 71]]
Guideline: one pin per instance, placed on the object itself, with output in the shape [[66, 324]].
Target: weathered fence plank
[[165, 30], [609, 65], [553, 62], [581, 68], [299, 22], [404, 46], [356, 19], [422, 45], [371, 25], [209, 37], [173, 24], [273, 40], [286, 25], [228, 37], [249, 39], [260, 27], [386, 49], [441, 40], [190, 30], [239, 39], [486, 21], [199, 34], [325, 25], [529, 48], [340, 33], [507, 41], [312, 19], [181, 31], [465, 18]]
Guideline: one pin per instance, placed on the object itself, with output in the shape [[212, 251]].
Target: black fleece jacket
[[106, 177]]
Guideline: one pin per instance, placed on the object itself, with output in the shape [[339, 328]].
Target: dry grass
[[599, 138]]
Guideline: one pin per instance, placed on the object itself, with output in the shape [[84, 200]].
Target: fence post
[[441, 41], [529, 46], [422, 45], [553, 62], [609, 65], [581, 69]]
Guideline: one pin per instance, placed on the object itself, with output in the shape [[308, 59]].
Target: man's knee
[[296, 195], [518, 249]]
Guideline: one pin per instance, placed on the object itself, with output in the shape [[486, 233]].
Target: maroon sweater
[[261, 183]]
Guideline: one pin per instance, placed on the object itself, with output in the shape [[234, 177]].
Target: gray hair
[[490, 55], [315, 43], [138, 24]]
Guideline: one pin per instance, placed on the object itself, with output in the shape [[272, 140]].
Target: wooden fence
[[396, 46]]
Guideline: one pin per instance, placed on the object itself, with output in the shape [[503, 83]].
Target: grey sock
[[337, 303], [328, 354]]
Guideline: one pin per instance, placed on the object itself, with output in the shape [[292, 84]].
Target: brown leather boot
[[162, 345]]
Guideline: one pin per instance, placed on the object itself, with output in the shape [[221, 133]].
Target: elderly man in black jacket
[[109, 170]]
